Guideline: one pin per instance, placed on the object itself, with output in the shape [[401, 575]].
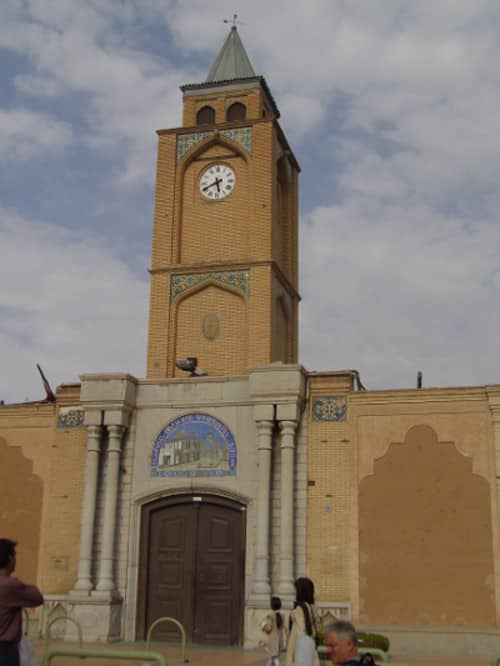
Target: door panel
[[219, 575], [192, 569], [171, 567]]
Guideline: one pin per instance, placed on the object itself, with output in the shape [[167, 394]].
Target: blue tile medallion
[[70, 417], [194, 445], [329, 408]]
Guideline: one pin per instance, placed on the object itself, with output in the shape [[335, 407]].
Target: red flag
[[49, 394]]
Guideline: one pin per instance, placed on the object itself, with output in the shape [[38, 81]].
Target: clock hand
[[216, 182], [209, 186]]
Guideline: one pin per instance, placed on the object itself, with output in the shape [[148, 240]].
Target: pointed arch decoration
[[222, 282], [238, 281], [241, 136]]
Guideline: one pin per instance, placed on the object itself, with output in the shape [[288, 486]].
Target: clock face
[[217, 182]]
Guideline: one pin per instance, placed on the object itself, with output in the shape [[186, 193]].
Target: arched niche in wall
[[205, 116], [211, 324], [236, 111], [20, 507], [425, 537]]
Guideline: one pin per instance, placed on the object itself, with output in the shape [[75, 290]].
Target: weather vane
[[234, 21]]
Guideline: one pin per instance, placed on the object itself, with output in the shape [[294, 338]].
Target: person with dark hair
[[304, 623], [274, 628], [14, 596], [342, 642]]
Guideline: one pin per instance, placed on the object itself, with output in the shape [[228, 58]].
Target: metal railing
[[181, 628], [377, 653], [51, 623], [96, 653]]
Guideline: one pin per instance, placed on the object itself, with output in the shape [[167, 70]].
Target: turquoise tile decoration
[[329, 408], [186, 141], [236, 279], [70, 418], [241, 135]]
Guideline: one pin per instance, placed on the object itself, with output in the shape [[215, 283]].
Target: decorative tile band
[[237, 279], [241, 135], [186, 141], [329, 408], [70, 417]]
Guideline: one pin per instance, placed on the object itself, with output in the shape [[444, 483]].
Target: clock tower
[[224, 255]]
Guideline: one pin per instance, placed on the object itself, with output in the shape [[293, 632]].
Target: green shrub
[[374, 641]]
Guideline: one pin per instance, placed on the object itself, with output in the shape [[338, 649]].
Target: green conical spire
[[232, 61]]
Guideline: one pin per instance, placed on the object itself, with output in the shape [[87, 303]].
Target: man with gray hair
[[342, 643]]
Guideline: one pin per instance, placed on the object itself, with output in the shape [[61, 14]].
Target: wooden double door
[[192, 566]]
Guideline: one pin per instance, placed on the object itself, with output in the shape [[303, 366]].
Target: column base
[[113, 596], [259, 600], [99, 617], [254, 616], [286, 592]]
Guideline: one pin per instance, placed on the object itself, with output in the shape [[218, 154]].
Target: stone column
[[286, 587], [262, 586], [106, 581], [84, 580]]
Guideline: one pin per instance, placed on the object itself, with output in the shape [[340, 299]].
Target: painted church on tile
[[198, 495]]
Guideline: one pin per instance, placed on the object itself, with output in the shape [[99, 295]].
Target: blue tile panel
[[72, 418], [241, 135], [329, 408], [194, 445], [236, 279]]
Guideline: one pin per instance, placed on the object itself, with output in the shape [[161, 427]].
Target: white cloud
[[37, 86], [67, 303], [127, 92], [25, 134], [303, 113], [391, 290], [399, 108]]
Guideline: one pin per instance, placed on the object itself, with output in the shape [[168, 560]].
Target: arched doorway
[[192, 567]]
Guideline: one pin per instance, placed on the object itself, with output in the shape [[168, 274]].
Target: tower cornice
[[232, 84]]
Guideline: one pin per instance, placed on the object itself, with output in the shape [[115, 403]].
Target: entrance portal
[[192, 565]]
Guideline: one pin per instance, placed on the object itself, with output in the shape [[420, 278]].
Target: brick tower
[[224, 255]]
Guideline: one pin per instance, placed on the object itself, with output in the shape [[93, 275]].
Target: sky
[[391, 108]]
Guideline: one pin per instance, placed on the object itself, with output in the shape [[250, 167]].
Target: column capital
[[264, 432], [115, 437], [288, 429], [94, 438]]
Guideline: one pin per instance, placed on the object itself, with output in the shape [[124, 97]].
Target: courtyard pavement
[[230, 656]]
